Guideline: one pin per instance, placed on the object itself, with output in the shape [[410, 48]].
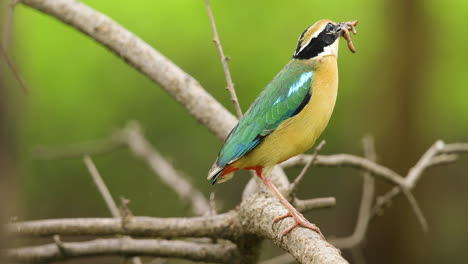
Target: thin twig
[[103, 190], [439, 153], [315, 203], [13, 68], [224, 61], [106, 195], [348, 160], [294, 185], [423, 163], [416, 209]]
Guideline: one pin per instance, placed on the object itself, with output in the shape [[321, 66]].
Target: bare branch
[[454, 148], [257, 214], [315, 203], [224, 61], [106, 195], [103, 190], [347, 160], [219, 253], [293, 186], [365, 207], [219, 226], [416, 209], [439, 153], [416, 172], [167, 173], [14, 69]]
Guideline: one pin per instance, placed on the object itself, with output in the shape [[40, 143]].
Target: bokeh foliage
[[406, 85]]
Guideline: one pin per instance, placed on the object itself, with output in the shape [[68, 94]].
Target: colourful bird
[[290, 114]]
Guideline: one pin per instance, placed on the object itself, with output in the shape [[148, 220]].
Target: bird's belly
[[297, 134]]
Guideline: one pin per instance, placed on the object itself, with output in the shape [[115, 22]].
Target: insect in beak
[[344, 28]]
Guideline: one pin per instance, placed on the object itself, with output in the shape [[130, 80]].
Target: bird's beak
[[344, 28]]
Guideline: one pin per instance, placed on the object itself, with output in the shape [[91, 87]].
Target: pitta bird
[[289, 114]]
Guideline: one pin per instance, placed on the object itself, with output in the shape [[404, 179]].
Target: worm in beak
[[345, 28]]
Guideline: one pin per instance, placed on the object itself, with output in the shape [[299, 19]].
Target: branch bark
[[219, 253], [306, 246], [217, 226]]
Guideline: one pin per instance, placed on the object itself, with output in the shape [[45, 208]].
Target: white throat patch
[[331, 49]]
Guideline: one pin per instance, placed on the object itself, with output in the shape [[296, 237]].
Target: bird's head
[[321, 39]]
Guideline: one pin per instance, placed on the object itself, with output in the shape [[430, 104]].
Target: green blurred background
[[406, 86]]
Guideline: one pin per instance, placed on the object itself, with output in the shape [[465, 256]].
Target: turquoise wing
[[285, 96]]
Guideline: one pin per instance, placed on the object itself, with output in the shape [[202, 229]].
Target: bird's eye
[[330, 29]]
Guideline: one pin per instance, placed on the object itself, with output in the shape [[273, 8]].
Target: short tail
[[217, 175]]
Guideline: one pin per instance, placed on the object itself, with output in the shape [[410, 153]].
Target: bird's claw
[[299, 220]]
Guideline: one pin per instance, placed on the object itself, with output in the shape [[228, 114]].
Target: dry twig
[[315, 203], [103, 190], [438, 154], [224, 61], [293, 186], [106, 195], [13, 68]]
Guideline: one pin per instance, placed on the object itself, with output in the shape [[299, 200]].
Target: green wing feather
[[281, 99]]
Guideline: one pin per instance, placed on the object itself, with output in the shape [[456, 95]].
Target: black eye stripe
[[317, 44]]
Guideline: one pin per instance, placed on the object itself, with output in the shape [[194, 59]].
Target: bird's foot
[[300, 220]]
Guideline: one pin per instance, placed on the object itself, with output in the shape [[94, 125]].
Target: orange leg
[[300, 220]]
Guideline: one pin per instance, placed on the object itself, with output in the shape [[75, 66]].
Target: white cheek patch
[[331, 49]]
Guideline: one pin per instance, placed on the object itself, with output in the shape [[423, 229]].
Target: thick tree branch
[[219, 253], [306, 246], [218, 226]]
